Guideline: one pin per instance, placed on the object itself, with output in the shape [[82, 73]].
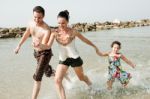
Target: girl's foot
[[109, 85], [129, 76], [125, 84], [109, 88]]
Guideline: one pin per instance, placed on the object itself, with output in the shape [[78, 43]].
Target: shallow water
[[17, 70]]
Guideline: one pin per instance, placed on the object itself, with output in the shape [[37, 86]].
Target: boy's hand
[[35, 44]]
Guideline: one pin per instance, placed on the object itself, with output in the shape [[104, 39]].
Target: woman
[[68, 55]]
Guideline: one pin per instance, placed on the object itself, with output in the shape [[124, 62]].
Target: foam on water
[[139, 84], [21, 67]]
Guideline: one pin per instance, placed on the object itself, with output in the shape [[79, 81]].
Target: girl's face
[[115, 48], [62, 22]]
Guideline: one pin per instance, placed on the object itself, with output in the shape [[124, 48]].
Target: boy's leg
[[42, 61], [36, 89]]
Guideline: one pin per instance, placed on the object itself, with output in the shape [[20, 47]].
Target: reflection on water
[[17, 70]]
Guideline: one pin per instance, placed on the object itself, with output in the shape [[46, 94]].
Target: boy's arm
[[23, 39], [127, 61], [46, 37]]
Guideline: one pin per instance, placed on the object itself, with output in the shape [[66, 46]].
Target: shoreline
[[81, 27]]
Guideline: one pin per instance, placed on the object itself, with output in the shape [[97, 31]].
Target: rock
[[116, 21], [15, 30], [4, 30], [81, 27]]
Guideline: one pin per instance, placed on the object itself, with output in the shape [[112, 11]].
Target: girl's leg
[[60, 73], [109, 84], [79, 72], [124, 84]]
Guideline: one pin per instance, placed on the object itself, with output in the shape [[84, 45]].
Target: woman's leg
[[67, 77], [79, 72], [60, 73]]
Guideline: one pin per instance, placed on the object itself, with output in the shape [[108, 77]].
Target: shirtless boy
[[40, 33]]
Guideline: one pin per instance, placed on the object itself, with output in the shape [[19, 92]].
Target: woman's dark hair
[[64, 14], [116, 42], [39, 9]]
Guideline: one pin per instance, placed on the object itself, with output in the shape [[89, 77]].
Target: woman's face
[[62, 22], [115, 48]]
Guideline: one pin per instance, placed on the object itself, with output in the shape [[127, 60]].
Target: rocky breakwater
[[11, 32], [81, 27], [116, 24]]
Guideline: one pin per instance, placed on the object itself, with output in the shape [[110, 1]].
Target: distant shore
[[81, 27]]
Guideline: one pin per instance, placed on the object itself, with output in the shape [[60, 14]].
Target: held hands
[[98, 52], [36, 43]]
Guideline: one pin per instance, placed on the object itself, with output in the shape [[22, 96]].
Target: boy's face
[[38, 18], [116, 48]]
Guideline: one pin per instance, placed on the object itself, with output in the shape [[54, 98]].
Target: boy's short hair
[[39, 9]]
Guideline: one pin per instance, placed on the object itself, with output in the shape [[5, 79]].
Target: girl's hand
[[133, 66], [17, 50]]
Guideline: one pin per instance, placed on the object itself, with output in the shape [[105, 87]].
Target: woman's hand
[[36, 43], [98, 52]]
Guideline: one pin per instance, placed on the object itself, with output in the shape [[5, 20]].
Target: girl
[[114, 68]]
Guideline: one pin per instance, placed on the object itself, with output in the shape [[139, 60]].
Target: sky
[[17, 13]]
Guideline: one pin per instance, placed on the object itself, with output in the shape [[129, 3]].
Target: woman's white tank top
[[68, 51]]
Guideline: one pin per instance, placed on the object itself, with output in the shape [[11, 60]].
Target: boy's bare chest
[[38, 33]]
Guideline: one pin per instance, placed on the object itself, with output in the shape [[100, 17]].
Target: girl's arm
[[104, 53], [127, 61]]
